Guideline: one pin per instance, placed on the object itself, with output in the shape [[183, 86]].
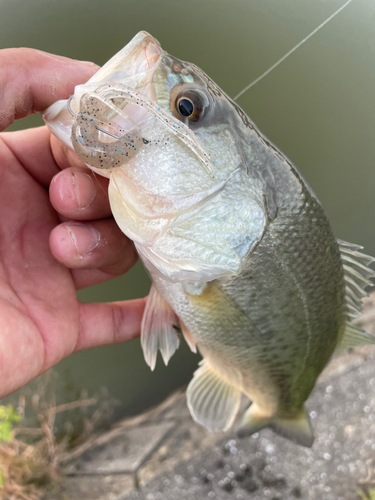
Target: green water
[[318, 107]]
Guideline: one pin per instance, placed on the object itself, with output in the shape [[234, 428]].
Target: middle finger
[[77, 193]]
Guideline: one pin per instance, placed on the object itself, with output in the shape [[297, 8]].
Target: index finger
[[31, 80]]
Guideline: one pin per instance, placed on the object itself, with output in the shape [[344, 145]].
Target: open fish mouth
[[103, 120], [92, 122]]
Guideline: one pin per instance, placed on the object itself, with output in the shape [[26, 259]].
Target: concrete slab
[[107, 487], [267, 466], [123, 452]]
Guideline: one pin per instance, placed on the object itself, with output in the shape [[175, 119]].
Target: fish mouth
[[110, 109], [131, 68]]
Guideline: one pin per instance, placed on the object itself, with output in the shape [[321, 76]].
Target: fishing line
[[291, 51]]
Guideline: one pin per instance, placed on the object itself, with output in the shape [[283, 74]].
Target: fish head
[[170, 141]]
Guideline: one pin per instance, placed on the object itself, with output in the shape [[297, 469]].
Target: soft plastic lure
[[105, 136]]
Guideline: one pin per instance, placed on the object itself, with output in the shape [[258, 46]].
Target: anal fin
[[296, 428], [157, 330], [213, 402]]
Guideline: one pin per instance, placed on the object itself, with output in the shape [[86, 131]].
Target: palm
[[38, 305], [46, 250]]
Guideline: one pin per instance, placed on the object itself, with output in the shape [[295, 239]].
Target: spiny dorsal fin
[[157, 330], [357, 275], [213, 402]]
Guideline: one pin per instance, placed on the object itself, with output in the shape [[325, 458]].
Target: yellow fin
[[297, 428], [213, 402]]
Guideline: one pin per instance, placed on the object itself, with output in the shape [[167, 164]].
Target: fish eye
[[185, 107], [190, 105]]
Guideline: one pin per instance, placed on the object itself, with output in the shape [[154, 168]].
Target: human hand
[[48, 250]]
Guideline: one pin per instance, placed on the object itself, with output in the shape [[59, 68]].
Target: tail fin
[[297, 428]]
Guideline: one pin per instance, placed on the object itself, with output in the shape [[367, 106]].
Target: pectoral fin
[[157, 330], [213, 402], [297, 428]]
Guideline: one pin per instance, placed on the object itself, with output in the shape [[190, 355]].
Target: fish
[[244, 262]]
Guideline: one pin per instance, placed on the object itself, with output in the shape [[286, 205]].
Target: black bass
[[241, 253]]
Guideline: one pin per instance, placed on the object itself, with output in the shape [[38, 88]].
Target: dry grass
[[31, 452]]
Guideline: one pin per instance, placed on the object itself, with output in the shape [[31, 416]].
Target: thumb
[[31, 80]]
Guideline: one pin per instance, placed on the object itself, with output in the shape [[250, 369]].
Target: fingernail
[[84, 237], [88, 63], [84, 188], [75, 188]]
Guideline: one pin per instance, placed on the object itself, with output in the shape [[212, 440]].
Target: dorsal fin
[[354, 336], [357, 276], [158, 329]]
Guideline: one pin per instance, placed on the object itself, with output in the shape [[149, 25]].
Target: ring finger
[[77, 193]]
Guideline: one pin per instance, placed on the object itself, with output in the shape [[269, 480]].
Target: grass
[[32, 447], [369, 494]]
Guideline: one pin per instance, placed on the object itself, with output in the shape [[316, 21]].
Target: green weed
[[369, 494]]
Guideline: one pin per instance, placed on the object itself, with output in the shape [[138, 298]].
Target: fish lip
[[133, 66], [147, 35], [142, 41]]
